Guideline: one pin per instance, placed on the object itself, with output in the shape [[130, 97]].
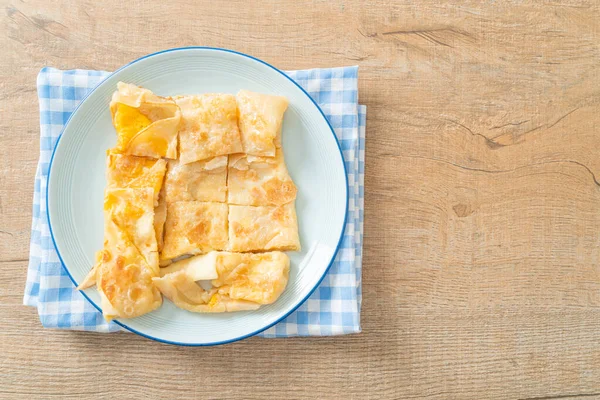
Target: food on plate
[[240, 281], [131, 211], [259, 181], [204, 180], [263, 228], [209, 126], [124, 171], [146, 124], [129, 260], [260, 118], [199, 204], [194, 227], [260, 278]]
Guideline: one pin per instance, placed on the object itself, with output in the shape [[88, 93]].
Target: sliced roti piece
[[194, 227], [263, 228], [125, 171], [260, 278], [197, 181], [259, 181], [132, 212], [209, 126], [129, 258], [260, 117], [146, 124]]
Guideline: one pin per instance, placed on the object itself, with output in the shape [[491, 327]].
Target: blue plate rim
[[294, 308]]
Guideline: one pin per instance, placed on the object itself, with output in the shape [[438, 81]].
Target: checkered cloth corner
[[334, 307]]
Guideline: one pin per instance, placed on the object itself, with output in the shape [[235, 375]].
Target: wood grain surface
[[482, 217]]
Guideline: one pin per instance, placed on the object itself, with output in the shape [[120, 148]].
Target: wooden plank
[[481, 261], [419, 353]]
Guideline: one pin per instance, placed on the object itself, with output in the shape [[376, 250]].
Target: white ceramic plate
[[313, 156]]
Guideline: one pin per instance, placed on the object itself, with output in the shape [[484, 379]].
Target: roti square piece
[[132, 212], [260, 278], [125, 171], [197, 181], [260, 117], [209, 126], [194, 227], [259, 181], [129, 259], [146, 124], [263, 228]]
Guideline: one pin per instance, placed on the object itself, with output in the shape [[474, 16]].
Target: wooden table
[[482, 233]]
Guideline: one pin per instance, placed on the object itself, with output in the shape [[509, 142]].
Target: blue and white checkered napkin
[[333, 309]]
